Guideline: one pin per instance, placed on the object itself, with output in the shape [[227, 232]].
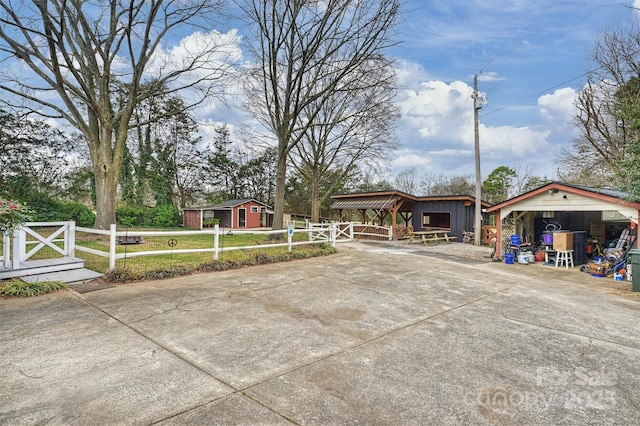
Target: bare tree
[[78, 52], [307, 50], [431, 184], [608, 106], [525, 180], [407, 181], [354, 126]]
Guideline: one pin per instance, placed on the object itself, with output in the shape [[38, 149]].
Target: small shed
[[244, 213], [598, 212]]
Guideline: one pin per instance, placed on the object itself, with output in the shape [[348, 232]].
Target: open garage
[[585, 211]]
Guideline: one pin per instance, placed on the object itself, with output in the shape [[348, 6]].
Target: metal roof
[[364, 203]]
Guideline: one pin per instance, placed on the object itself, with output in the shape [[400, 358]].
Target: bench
[[434, 236], [438, 239]]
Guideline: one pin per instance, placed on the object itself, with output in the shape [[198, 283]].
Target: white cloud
[[439, 110], [437, 136], [558, 108], [490, 77], [210, 56]]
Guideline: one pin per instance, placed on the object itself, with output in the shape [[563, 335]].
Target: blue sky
[[530, 58]]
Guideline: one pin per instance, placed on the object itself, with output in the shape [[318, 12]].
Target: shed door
[[242, 218]]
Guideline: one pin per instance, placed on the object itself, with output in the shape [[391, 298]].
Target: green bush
[[19, 288], [160, 216], [131, 216], [165, 216], [47, 209], [81, 214]]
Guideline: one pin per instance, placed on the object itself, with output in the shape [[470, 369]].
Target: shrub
[[121, 275], [45, 209], [165, 216], [81, 214], [19, 288], [158, 274], [12, 216], [130, 216]]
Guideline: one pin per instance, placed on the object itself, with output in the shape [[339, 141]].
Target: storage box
[[599, 230], [598, 269], [563, 240]]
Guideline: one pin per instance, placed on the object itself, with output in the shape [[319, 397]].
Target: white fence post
[[19, 247], [216, 238], [6, 250], [351, 235], [112, 247], [332, 235], [390, 233], [70, 239]]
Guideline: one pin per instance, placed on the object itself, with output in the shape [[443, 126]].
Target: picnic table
[[434, 236]]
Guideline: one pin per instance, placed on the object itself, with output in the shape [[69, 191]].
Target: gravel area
[[468, 251]]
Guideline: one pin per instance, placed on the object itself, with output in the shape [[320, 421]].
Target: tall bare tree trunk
[[278, 204], [315, 197], [106, 183]]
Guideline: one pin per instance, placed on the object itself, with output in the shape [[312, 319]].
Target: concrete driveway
[[372, 335]]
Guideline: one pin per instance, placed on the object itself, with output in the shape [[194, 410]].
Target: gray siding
[[461, 216]]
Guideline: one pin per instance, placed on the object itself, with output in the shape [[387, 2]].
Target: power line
[[537, 94], [581, 20]]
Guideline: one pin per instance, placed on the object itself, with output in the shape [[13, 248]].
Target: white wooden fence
[[316, 236], [14, 250]]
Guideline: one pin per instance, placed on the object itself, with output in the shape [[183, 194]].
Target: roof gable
[[229, 204], [561, 196]]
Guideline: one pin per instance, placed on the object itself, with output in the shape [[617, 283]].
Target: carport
[[382, 203], [600, 212]]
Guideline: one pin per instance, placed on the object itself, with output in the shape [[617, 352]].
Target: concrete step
[[70, 276]]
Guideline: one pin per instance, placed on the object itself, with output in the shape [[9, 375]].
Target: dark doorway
[[242, 218]]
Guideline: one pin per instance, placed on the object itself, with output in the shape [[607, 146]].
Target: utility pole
[[478, 102]]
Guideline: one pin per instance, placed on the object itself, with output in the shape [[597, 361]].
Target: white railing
[[63, 241], [16, 255], [215, 249], [320, 231]]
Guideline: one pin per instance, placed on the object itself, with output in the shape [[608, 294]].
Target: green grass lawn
[[189, 261]]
